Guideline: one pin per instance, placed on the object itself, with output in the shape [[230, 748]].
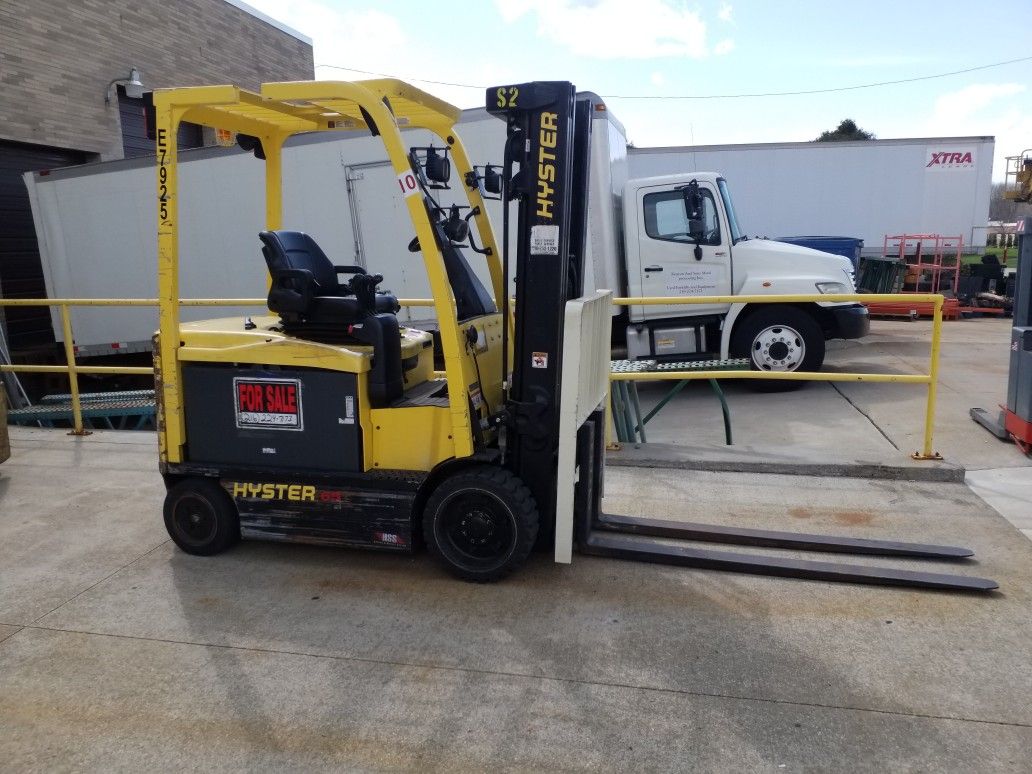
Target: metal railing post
[[926, 452], [73, 375]]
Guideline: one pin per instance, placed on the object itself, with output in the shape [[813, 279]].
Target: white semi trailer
[[864, 189], [94, 225]]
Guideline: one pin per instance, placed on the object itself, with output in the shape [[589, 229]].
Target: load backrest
[[296, 250]]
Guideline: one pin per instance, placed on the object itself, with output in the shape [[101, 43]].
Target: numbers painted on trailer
[[507, 96], [407, 181]]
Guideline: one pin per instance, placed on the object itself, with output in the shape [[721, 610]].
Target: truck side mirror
[[692, 201], [693, 211]]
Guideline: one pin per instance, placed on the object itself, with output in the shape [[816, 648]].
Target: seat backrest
[[296, 250]]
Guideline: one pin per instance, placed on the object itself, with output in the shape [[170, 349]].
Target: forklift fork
[[620, 537], [652, 540]]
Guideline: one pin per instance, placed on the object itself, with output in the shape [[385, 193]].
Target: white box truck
[[95, 225]]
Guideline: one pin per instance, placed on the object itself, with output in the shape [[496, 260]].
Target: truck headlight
[[832, 287]]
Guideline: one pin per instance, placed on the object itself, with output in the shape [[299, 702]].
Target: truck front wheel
[[779, 338]]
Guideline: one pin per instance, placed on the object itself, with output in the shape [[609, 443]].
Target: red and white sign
[[268, 404], [937, 157], [408, 183]]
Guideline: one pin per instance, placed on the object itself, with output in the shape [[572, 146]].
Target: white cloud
[[358, 36], [657, 78], [964, 103], [724, 14], [726, 46], [377, 42], [608, 29], [985, 109]]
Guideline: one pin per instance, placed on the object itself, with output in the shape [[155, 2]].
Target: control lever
[[364, 288]]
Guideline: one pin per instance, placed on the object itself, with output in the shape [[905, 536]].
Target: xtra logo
[[949, 159]]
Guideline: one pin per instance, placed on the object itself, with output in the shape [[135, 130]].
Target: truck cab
[[669, 254]]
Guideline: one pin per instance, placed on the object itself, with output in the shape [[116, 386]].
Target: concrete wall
[[56, 57]]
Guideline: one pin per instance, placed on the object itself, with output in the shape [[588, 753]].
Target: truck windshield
[[732, 219]]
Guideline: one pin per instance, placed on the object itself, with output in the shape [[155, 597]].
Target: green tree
[[847, 130]]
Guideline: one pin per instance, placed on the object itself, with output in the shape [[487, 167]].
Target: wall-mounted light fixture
[[133, 85]]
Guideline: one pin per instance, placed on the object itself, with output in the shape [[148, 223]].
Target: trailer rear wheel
[[200, 517], [481, 523], [779, 338]]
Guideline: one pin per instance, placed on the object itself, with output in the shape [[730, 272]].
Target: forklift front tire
[[481, 523], [200, 517]]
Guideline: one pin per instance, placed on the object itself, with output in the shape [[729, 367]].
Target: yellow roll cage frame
[[276, 112]]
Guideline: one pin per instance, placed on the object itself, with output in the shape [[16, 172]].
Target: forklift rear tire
[[775, 338], [200, 517], [481, 523]]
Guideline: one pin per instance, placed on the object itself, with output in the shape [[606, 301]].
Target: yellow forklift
[[325, 421]]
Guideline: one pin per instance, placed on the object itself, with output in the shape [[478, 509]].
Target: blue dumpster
[[848, 247]]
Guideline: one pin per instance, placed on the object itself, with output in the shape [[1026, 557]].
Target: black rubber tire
[[499, 510], [200, 517], [799, 326]]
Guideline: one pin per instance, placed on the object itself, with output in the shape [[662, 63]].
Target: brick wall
[[56, 57]]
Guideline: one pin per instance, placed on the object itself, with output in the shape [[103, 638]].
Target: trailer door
[[667, 263]]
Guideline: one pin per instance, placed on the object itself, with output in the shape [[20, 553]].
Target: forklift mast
[[548, 139]]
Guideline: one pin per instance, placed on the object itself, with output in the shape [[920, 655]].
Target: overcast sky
[[667, 48]]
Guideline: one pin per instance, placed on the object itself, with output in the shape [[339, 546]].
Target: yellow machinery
[[326, 422], [319, 408], [1018, 178]]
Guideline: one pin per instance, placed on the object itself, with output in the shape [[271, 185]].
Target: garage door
[[21, 274]]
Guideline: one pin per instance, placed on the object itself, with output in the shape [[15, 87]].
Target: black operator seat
[[305, 284], [313, 304]]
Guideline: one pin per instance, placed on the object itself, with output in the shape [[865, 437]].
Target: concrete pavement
[[119, 652]]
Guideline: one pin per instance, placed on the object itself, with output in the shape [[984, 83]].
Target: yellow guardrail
[[930, 379]]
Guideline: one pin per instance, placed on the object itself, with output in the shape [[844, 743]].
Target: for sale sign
[[949, 158], [268, 404]]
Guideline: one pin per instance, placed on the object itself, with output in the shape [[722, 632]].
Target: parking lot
[[120, 652]]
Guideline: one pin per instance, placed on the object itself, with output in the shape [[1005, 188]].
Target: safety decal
[[408, 183], [349, 411], [388, 538], [544, 240], [268, 404]]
